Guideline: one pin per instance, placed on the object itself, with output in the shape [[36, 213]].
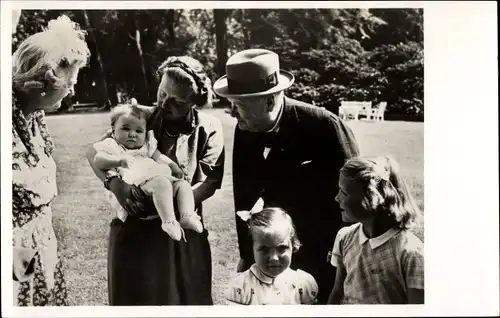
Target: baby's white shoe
[[173, 229], [192, 222]]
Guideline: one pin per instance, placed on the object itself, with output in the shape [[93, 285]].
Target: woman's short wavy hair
[[61, 44], [385, 190], [189, 71]]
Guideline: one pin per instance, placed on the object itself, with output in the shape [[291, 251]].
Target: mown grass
[[82, 215]]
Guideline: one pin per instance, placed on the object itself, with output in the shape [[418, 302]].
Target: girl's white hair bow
[[257, 208], [245, 215]]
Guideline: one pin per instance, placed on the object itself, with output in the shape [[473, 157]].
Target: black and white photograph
[[207, 155]]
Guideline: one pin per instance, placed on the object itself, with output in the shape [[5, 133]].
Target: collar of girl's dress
[[263, 278]]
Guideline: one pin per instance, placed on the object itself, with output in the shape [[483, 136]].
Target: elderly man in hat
[[287, 153]]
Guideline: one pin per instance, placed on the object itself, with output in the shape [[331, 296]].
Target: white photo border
[[461, 164]]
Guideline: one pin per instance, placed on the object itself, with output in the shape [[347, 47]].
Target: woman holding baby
[[146, 266]]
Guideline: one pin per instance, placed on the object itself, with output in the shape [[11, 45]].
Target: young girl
[[270, 281], [378, 260], [133, 152]]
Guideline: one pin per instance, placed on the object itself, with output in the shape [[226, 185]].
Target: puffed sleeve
[[151, 142], [236, 291], [309, 288], [413, 264], [211, 162], [337, 255], [108, 145]]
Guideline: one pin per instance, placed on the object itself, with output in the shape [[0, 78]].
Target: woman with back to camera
[[45, 69]]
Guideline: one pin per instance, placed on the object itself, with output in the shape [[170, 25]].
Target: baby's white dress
[[143, 169]]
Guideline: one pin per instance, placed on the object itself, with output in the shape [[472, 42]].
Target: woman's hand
[[132, 199], [23, 263]]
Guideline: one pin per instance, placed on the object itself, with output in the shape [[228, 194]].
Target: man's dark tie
[[270, 139]]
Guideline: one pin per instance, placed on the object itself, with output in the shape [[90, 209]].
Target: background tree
[[335, 54]]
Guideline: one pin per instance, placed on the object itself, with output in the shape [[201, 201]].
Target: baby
[[132, 150]]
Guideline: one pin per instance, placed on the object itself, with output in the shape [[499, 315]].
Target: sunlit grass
[[82, 215]]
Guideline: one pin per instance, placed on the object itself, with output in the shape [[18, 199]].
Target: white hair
[[61, 44]]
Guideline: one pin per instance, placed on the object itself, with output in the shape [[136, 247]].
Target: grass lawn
[[82, 216]]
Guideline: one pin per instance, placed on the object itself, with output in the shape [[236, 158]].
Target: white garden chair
[[365, 109], [353, 109], [349, 109], [378, 112]]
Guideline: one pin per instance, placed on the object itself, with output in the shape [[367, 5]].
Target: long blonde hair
[[385, 190], [61, 44]]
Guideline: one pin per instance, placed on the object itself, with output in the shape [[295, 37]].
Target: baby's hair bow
[[247, 215]]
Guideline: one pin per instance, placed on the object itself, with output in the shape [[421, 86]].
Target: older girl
[[45, 69], [145, 266], [270, 280], [378, 260]]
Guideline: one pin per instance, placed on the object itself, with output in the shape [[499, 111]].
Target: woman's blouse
[[198, 150], [33, 168]]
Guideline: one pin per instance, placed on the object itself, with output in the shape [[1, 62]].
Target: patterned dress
[[254, 287], [33, 189]]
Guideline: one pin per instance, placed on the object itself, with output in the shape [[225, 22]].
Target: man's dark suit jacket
[[299, 175]]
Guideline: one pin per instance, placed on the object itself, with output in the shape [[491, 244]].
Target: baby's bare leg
[[162, 192], [184, 197], [185, 202]]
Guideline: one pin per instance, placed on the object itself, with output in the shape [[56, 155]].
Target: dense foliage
[[335, 54]]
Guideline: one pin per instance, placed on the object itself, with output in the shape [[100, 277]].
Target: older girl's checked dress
[[33, 188]]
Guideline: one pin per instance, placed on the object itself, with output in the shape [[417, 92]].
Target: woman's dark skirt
[[147, 267]]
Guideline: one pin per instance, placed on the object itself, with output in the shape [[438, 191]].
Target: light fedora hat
[[252, 73]]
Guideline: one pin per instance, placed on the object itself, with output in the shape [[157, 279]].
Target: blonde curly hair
[[61, 44]]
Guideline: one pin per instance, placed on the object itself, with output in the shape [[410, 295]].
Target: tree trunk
[[246, 30], [221, 40], [170, 20], [104, 94], [144, 94], [221, 45]]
